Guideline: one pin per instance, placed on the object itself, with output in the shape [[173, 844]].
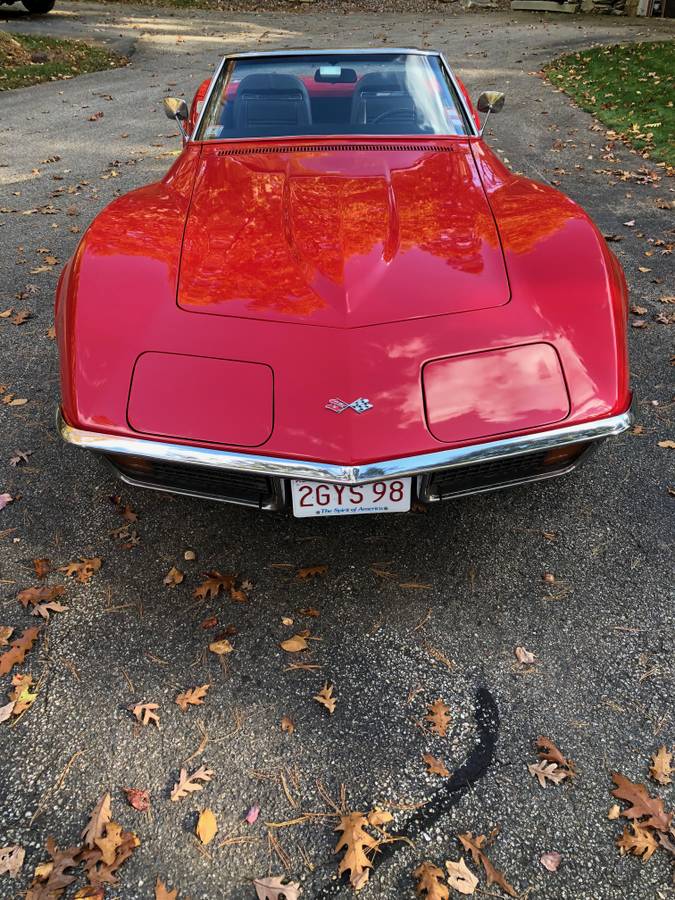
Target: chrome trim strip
[[338, 474]]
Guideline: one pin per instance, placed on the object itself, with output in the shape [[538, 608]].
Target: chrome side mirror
[[177, 109], [490, 102]]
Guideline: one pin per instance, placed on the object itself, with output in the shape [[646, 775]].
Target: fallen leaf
[[139, 799], [187, 784], [311, 572], [641, 803], [379, 817], [42, 567], [544, 772], [193, 697], [640, 843], [6, 631], [460, 877], [294, 644], [430, 883], [549, 752], [109, 842], [53, 877], [666, 445], [639, 310], [207, 827], [274, 888], [98, 820], [550, 860], [221, 647], [82, 570], [44, 609], [494, 876], [18, 650], [661, 768], [525, 657], [11, 860], [614, 811], [36, 595], [287, 724], [213, 585], [162, 893], [145, 713], [325, 698], [22, 696], [252, 815], [357, 844], [438, 717], [310, 611], [5, 500], [173, 577], [435, 766], [6, 712]]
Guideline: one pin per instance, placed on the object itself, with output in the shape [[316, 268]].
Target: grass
[[25, 59], [630, 89]]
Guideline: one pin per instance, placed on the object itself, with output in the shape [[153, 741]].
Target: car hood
[[340, 235]]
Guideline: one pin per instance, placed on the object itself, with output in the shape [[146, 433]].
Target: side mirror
[[490, 102], [178, 110]]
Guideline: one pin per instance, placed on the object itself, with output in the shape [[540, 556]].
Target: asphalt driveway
[[578, 571]]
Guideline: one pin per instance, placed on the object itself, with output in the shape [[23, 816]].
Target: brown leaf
[[460, 877], [207, 827], [640, 843], [550, 860], [36, 595], [173, 577], [52, 878], [21, 695], [549, 752], [162, 892], [23, 315], [435, 766], [379, 818], [109, 842], [97, 821], [438, 717], [661, 768], [139, 799], [294, 644], [82, 570], [274, 888], [311, 572], [42, 567], [221, 647], [193, 697], [7, 711], [614, 811], [494, 876], [357, 844], [525, 657], [287, 724], [213, 585], [641, 803], [667, 445], [145, 713], [544, 772], [430, 883], [11, 860], [18, 650], [43, 609], [187, 784], [6, 631], [325, 698]]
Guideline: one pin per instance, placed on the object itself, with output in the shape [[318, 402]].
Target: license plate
[[312, 498]]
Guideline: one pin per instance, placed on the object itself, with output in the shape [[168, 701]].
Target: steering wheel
[[388, 113]]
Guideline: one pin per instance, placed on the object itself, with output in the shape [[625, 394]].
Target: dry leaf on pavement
[[36, 595], [192, 697], [42, 567], [438, 717], [220, 648], [357, 844], [641, 804], [82, 570], [21, 695], [435, 766], [544, 772], [550, 860], [378, 818], [430, 883], [549, 752], [494, 876], [661, 768], [173, 577], [667, 445], [44, 609], [145, 713], [274, 888], [6, 631], [460, 877], [137, 798], [213, 585], [525, 657], [52, 878], [294, 644], [187, 784], [640, 843], [97, 821], [163, 893], [325, 697], [18, 650], [287, 724], [311, 572], [11, 860], [207, 827], [7, 711]]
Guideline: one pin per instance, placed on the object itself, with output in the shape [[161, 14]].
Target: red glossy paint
[[197, 103], [345, 274]]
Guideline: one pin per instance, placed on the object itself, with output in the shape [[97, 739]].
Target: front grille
[[469, 478], [221, 484], [332, 148]]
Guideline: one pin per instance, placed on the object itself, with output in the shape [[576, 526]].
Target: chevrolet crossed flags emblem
[[361, 405]]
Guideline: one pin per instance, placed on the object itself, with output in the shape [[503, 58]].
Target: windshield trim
[[471, 130]]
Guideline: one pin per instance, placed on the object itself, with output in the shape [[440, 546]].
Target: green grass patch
[[630, 89], [25, 59]]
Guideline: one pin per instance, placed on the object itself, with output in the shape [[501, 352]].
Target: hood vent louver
[[331, 148]]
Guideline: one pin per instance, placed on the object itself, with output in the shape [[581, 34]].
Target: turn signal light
[[561, 455]]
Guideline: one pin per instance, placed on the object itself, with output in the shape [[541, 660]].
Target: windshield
[[350, 93]]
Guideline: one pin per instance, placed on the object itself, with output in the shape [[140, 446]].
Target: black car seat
[[271, 102], [382, 97]]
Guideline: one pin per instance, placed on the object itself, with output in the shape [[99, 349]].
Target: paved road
[[603, 631]]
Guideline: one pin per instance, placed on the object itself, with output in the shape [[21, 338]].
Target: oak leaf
[[325, 698], [287, 724], [430, 882], [379, 818], [36, 595], [549, 752], [661, 768], [494, 876], [98, 820], [221, 647], [162, 892], [18, 650], [187, 784], [357, 844], [21, 695], [6, 631], [550, 860], [274, 888], [145, 713], [207, 827], [435, 766], [525, 657], [460, 877], [109, 842], [544, 772], [42, 567], [137, 798], [192, 697], [6, 711], [83, 570], [213, 585], [438, 717], [51, 879], [11, 860], [311, 572], [44, 609], [667, 445], [640, 843], [173, 577], [641, 804], [294, 644]]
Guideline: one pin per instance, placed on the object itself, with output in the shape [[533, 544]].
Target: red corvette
[[338, 299]]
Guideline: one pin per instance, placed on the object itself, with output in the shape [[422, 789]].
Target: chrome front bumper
[[423, 467]]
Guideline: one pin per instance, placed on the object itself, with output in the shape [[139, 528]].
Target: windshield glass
[[350, 93]]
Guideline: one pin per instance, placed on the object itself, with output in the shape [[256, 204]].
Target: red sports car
[[338, 299]]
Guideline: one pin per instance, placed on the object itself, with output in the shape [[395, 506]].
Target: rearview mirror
[[490, 102], [176, 109]]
